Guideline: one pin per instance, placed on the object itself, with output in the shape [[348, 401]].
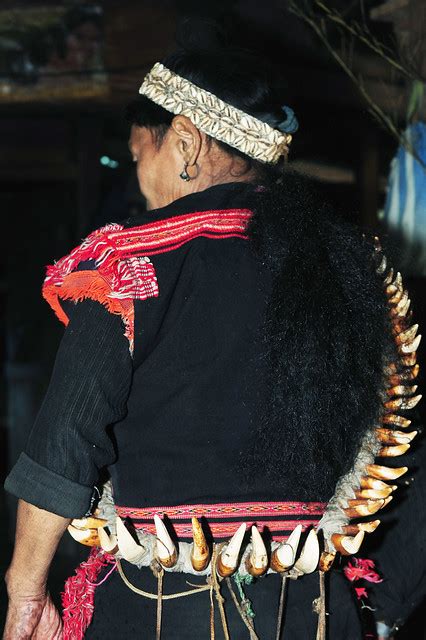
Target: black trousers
[[122, 614]]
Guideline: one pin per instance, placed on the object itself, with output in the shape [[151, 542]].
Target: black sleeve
[[88, 392]]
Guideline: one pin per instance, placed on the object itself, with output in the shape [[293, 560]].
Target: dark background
[[54, 188]]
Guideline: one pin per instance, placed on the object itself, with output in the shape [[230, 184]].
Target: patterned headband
[[213, 116]]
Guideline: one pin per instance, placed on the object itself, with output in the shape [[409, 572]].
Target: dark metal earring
[[184, 174]]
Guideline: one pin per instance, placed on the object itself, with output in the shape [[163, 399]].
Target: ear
[[189, 139]]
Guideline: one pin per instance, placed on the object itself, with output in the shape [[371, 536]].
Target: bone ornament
[[407, 336], [309, 556], [284, 555], [360, 508], [401, 390], [404, 404], [382, 266], [405, 376], [373, 494], [399, 421], [408, 360], [353, 529], [371, 483], [88, 537], [347, 545], [200, 556], [385, 473], [257, 560], [228, 559], [108, 542], [393, 451], [88, 523], [129, 548], [391, 436], [166, 550], [410, 347]]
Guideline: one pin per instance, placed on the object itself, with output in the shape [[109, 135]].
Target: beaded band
[[213, 116]]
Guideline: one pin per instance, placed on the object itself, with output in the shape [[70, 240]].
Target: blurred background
[[354, 73]]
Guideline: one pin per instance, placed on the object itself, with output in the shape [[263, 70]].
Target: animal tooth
[[373, 494], [257, 561], [411, 347], [400, 421], [409, 360], [409, 374], [347, 545], [89, 523], [360, 508], [403, 403], [368, 527], [393, 452], [402, 302], [382, 266], [396, 296], [326, 560], [402, 310], [388, 278], [410, 403], [200, 556], [391, 290], [131, 550], [309, 556], [408, 335], [107, 542], [89, 537], [391, 436], [228, 559], [166, 550], [402, 390], [283, 556], [385, 473], [372, 483]]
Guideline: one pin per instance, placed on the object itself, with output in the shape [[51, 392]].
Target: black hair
[[326, 330]]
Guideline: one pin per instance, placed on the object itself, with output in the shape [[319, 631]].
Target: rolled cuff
[[48, 490]]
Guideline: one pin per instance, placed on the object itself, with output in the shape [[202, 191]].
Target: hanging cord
[[220, 599], [158, 572], [244, 608], [319, 608], [280, 617], [154, 596]]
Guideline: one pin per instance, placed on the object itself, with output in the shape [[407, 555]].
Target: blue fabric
[[405, 207]]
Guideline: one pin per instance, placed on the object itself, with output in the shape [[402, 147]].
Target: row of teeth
[[373, 492], [372, 495], [234, 555]]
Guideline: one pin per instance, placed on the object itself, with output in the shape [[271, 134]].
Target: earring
[[184, 174]]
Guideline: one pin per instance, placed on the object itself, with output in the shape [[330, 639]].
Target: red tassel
[[79, 595]]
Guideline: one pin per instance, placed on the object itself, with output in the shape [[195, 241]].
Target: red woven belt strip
[[280, 518]]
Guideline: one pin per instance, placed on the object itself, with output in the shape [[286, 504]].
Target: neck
[[209, 175]]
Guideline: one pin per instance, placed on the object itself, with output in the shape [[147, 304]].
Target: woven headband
[[213, 116]]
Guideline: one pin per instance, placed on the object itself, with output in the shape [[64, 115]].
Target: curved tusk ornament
[[257, 561], [346, 545], [200, 555], [283, 557], [166, 550], [131, 550], [309, 556], [228, 559]]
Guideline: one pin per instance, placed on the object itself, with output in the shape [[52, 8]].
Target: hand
[[32, 618]]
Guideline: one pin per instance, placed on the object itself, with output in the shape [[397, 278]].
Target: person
[[223, 360]]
